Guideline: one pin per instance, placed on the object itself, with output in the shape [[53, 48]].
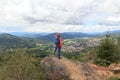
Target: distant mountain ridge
[[65, 35], [115, 31], [50, 37], [29, 34], [111, 32], [70, 35]]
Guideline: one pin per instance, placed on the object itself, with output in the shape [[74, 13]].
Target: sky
[[59, 15]]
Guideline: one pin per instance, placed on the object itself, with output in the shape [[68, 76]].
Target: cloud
[[112, 20], [49, 15]]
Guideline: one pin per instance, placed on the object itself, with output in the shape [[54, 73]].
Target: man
[[58, 43]]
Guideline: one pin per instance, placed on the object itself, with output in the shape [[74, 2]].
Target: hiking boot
[[59, 57]]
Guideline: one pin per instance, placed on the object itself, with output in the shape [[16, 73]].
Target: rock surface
[[65, 69], [55, 70], [115, 68]]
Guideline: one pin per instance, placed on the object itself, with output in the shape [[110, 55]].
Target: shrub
[[102, 62], [21, 66]]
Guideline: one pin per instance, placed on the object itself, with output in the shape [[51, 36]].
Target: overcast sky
[[59, 15]]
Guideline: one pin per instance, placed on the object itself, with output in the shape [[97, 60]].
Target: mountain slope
[[8, 41], [72, 70]]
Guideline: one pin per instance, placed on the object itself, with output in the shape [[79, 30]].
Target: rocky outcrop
[[68, 70], [65, 69]]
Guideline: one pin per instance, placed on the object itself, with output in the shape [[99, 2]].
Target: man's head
[[57, 34]]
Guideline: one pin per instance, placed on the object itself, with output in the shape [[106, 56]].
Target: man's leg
[[55, 50], [59, 52]]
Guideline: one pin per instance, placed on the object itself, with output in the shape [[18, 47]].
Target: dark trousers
[[59, 51]]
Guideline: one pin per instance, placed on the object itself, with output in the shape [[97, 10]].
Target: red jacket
[[60, 38]]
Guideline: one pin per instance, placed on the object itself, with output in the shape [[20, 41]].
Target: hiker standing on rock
[[58, 43]]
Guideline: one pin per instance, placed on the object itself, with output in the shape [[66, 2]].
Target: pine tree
[[107, 51]]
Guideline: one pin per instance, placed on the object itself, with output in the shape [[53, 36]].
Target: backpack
[[57, 41]]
